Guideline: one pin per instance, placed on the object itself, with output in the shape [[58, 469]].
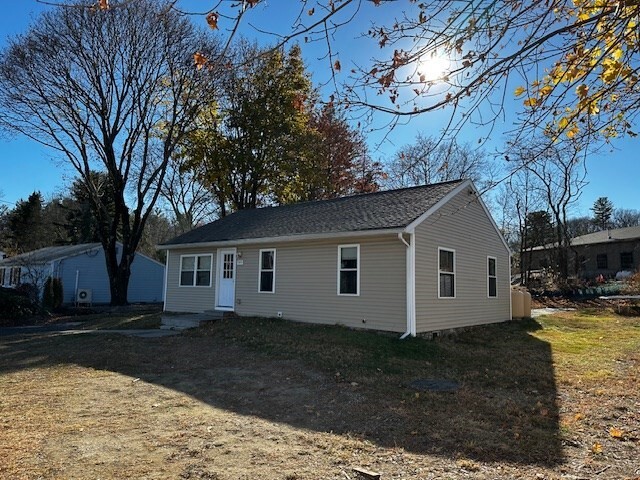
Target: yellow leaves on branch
[[572, 132], [519, 91], [612, 70]]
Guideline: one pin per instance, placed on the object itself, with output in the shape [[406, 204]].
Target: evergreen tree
[[602, 211], [25, 225]]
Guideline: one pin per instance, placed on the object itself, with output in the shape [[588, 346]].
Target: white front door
[[226, 278]]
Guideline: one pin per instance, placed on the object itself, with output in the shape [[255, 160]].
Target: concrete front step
[[189, 320]]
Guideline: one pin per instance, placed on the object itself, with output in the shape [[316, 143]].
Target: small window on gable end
[[349, 270], [492, 277], [446, 273], [267, 271]]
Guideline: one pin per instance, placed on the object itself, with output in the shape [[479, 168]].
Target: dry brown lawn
[[254, 398]]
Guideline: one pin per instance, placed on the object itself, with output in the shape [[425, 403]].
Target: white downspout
[[410, 285]]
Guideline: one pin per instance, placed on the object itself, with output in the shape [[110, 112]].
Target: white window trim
[[489, 276], [260, 270], [340, 247], [455, 276], [196, 255]]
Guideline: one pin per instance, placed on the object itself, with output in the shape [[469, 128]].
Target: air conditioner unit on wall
[[84, 296]]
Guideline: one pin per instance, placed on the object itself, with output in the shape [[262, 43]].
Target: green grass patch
[[590, 344]]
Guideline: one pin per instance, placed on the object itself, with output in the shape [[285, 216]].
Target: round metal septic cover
[[434, 385]]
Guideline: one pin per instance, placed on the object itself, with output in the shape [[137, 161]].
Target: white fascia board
[[444, 200], [289, 238]]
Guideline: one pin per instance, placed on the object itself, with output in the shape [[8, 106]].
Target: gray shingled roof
[[48, 254], [604, 236], [374, 211]]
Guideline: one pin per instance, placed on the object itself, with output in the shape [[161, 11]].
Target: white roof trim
[[443, 201], [76, 254], [448, 197], [97, 246], [288, 238]]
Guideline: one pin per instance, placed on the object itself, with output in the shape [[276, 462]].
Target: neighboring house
[[601, 253], [413, 260], [82, 268]]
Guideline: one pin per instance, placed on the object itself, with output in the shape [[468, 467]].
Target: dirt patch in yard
[[270, 399]]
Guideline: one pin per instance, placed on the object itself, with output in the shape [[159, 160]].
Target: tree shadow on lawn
[[352, 382]]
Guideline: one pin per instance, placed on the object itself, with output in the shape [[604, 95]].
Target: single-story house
[[601, 253], [83, 272], [413, 260]]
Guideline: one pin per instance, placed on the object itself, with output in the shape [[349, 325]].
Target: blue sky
[[26, 166]]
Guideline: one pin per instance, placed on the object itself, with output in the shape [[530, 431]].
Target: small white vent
[[84, 296]]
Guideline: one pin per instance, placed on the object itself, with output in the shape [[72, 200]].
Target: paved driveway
[[71, 328]]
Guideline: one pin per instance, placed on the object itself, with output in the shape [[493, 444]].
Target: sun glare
[[432, 68]]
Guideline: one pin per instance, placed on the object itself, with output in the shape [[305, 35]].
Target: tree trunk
[[119, 286], [119, 271]]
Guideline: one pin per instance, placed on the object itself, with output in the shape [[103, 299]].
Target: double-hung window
[[602, 261], [626, 261], [349, 270], [195, 270], [492, 277], [446, 273], [267, 273]]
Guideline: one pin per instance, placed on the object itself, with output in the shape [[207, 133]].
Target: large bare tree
[[429, 160], [556, 174], [112, 90]]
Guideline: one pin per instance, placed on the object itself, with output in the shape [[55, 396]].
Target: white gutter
[[410, 285]]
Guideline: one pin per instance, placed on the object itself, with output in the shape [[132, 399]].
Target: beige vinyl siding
[[188, 299], [306, 288], [461, 225]]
